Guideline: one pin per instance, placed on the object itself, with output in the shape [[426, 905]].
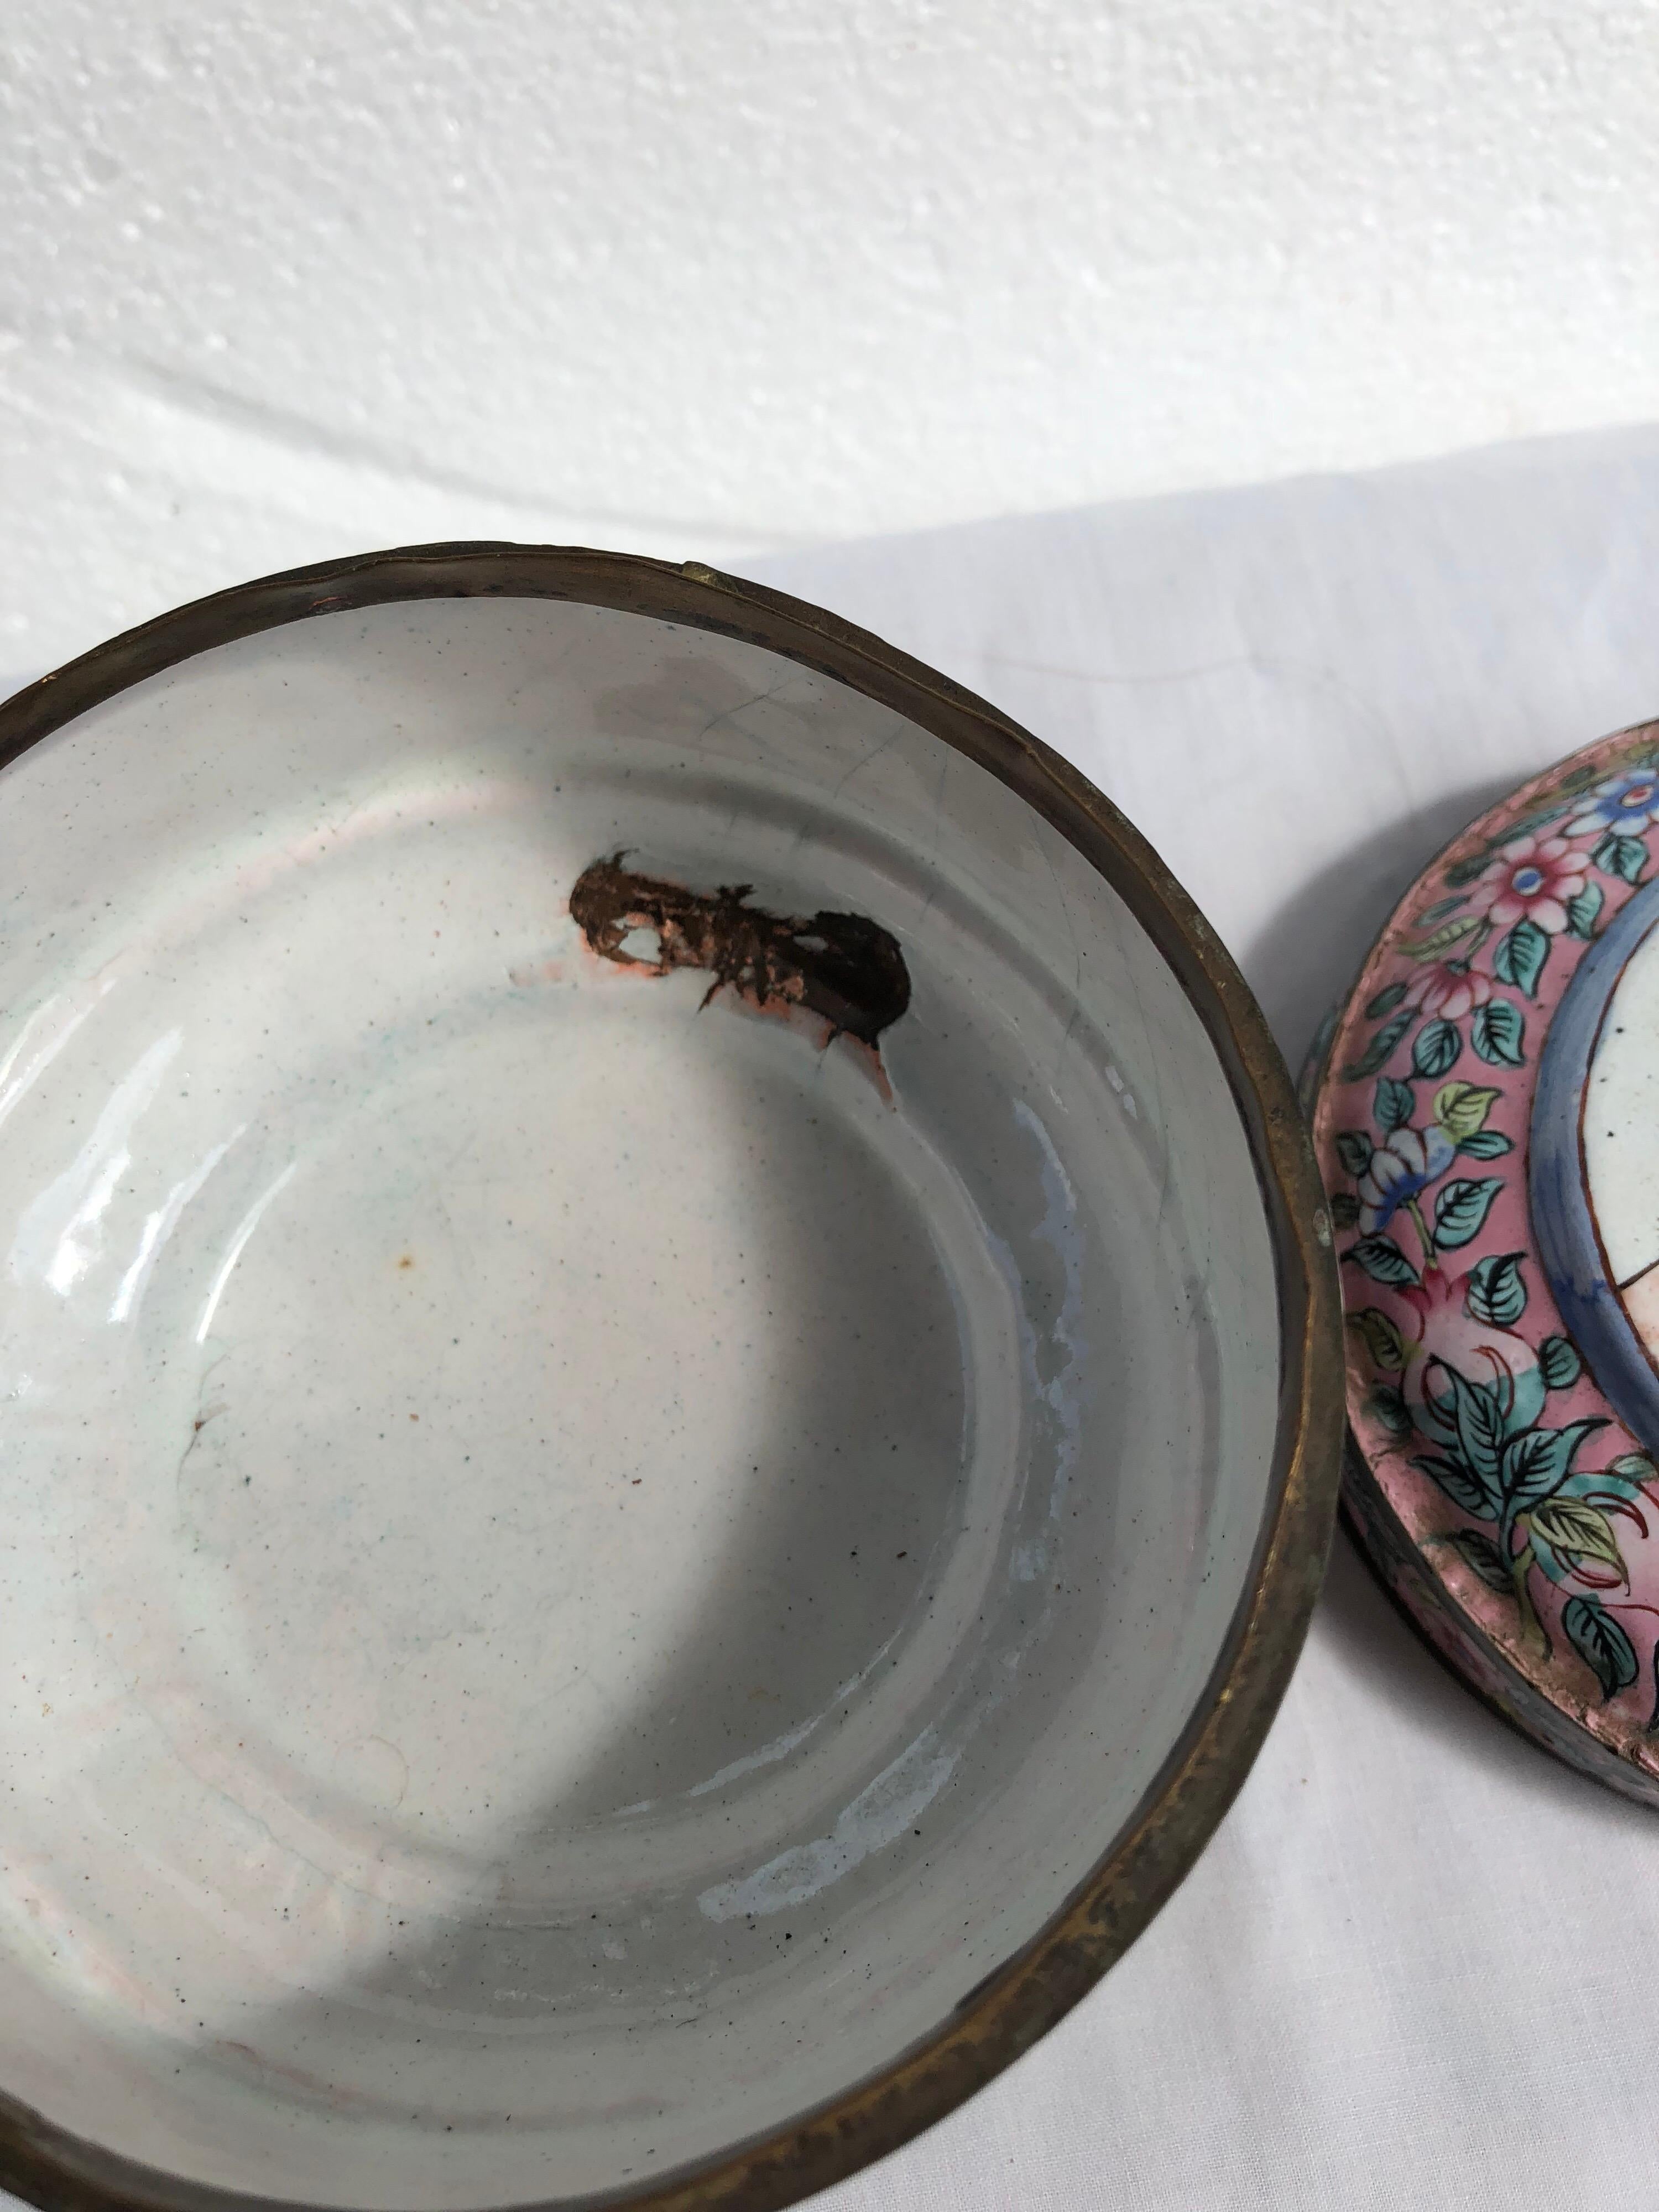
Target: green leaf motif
[[1382, 1339], [1497, 1294], [1436, 946], [1497, 1032], [1601, 1642], [1389, 1410], [1520, 958], [1635, 1466], [1462, 1109], [1485, 1145], [1464, 1488], [1602, 1486], [1478, 1419], [1622, 856], [1466, 870], [1345, 1210], [1530, 824], [1438, 1043], [1354, 1149], [1582, 911], [1537, 1462], [1477, 1550], [1394, 1104], [1462, 1207], [1577, 1530], [1438, 911], [1383, 1261], [1558, 1363], [1385, 1001], [1547, 1560], [1378, 1049]]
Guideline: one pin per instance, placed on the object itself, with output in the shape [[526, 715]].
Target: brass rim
[[1024, 1998]]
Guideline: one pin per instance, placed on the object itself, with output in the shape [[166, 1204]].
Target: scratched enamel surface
[[580, 1565]]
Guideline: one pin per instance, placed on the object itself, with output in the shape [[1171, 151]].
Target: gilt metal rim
[[1018, 2003]]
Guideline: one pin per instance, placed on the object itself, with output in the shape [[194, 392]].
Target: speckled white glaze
[[1621, 1174], [575, 1572]]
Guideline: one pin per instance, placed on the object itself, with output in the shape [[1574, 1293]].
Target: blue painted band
[[1562, 1223]]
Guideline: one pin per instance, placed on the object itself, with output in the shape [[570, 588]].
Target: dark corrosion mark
[[843, 968]]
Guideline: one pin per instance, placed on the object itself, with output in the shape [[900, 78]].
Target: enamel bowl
[[670, 1394]]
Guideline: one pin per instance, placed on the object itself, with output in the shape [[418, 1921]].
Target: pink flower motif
[[1449, 992], [1531, 879]]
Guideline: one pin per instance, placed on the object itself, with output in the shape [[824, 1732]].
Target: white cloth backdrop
[[1414, 1968]]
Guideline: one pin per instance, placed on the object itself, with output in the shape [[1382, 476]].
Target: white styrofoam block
[[278, 281]]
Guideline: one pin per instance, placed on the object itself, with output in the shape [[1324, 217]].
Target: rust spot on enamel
[[843, 968]]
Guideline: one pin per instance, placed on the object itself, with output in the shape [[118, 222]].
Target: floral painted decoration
[[1531, 1512], [1533, 880]]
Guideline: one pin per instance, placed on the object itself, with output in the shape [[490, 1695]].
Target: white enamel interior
[[1621, 1170], [574, 1576]]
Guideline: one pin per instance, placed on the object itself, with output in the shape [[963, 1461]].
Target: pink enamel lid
[[1483, 1109]]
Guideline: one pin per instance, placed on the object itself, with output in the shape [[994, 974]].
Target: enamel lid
[[1484, 1116]]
